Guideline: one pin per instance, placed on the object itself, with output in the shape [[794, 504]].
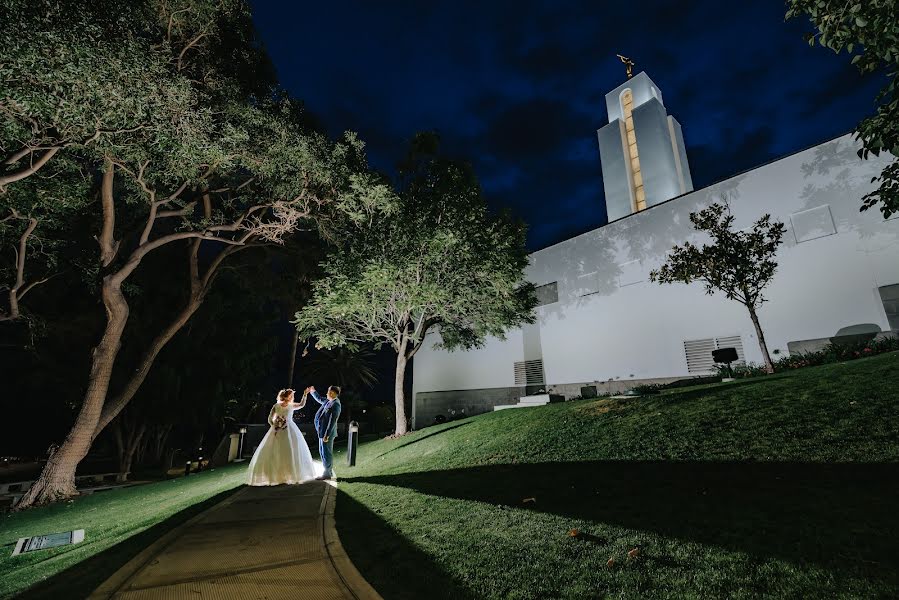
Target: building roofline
[[719, 181]]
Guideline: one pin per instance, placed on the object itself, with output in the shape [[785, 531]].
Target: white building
[[603, 324]]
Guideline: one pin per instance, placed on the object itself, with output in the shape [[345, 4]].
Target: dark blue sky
[[518, 88]]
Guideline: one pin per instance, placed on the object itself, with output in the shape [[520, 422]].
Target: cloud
[[518, 89]]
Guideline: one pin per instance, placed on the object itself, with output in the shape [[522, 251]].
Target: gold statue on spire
[[628, 64]]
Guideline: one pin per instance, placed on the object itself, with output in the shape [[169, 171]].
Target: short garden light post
[[243, 431], [187, 468], [352, 443]]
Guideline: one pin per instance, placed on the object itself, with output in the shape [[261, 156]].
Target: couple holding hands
[[283, 455]]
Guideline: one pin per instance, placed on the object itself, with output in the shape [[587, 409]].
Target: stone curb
[[349, 575]]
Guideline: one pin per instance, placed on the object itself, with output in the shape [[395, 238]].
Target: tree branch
[[33, 168], [109, 247]]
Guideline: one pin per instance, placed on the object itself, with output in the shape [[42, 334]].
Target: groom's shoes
[[326, 478]]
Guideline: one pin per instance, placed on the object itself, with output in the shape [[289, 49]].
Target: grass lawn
[[118, 524], [784, 486]]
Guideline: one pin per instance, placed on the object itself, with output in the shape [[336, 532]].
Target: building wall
[[660, 176], [683, 163], [611, 323], [616, 173], [643, 90]]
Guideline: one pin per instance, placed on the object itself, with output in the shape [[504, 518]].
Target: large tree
[[738, 263], [230, 165], [442, 260], [868, 30]]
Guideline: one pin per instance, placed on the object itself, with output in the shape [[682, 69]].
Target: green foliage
[[180, 101], [738, 263], [868, 31], [832, 353], [441, 259]]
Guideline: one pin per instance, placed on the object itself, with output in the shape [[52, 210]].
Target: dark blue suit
[[326, 418]]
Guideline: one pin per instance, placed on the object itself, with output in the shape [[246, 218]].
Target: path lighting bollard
[[243, 431], [187, 468], [352, 442]]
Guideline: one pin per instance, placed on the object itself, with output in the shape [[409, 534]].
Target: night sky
[[518, 88]]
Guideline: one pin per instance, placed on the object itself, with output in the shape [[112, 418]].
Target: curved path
[[261, 542]]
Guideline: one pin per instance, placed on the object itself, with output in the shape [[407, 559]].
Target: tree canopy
[[738, 263], [441, 260], [868, 31]]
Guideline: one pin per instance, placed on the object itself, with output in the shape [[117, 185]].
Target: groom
[[326, 419]]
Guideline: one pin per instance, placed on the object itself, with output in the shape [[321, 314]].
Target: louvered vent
[[529, 372], [699, 352]]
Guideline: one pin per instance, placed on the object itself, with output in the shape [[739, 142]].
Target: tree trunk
[[160, 438], [128, 442], [399, 394], [133, 442], [293, 358], [57, 480], [769, 366], [115, 406]]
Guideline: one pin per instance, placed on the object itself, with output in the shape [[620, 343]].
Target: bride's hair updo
[[284, 394]]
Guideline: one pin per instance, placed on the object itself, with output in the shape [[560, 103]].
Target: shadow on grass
[[839, 516], [79, 580], [702, 391], [424, 437], [391, 564]]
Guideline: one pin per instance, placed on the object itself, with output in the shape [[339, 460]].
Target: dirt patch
[[604, 405]]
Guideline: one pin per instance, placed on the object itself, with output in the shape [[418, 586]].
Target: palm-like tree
[[351, 370]]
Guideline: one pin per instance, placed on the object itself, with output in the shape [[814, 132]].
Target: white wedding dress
[[283, 455]]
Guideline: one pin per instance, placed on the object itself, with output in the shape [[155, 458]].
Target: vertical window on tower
[[627, 107]]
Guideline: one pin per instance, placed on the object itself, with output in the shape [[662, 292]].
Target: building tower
[[641, 149]]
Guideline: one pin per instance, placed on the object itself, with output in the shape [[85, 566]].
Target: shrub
[[829, 354]]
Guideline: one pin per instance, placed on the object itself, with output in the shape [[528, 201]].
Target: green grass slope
[[118, 524], [784, 486]]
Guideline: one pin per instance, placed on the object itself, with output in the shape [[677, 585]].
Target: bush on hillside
[[831, 353]]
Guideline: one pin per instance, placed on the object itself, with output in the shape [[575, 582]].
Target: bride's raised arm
[[302, 401]]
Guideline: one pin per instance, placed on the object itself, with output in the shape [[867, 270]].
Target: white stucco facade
[[611, 322]]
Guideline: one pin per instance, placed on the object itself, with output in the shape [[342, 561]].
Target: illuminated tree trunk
[[57, 480], [399, 393], [769, 366]]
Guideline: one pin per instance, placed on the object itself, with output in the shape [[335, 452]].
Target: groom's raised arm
[[316, 397]]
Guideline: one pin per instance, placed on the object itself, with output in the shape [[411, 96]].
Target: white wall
[[631, 328]]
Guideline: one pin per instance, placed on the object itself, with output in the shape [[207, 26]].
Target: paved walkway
[[262, 542]]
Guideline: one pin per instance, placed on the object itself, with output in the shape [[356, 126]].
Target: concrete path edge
[[117, 580], [346, 571], [349, 575]]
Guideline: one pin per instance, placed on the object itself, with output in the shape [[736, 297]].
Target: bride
[[283, 455]]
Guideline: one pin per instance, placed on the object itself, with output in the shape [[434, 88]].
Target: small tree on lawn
[[868, 31], [738, 263], [442, 260]]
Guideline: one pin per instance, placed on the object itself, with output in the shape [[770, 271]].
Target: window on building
[[627, 108], [547, 294]]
